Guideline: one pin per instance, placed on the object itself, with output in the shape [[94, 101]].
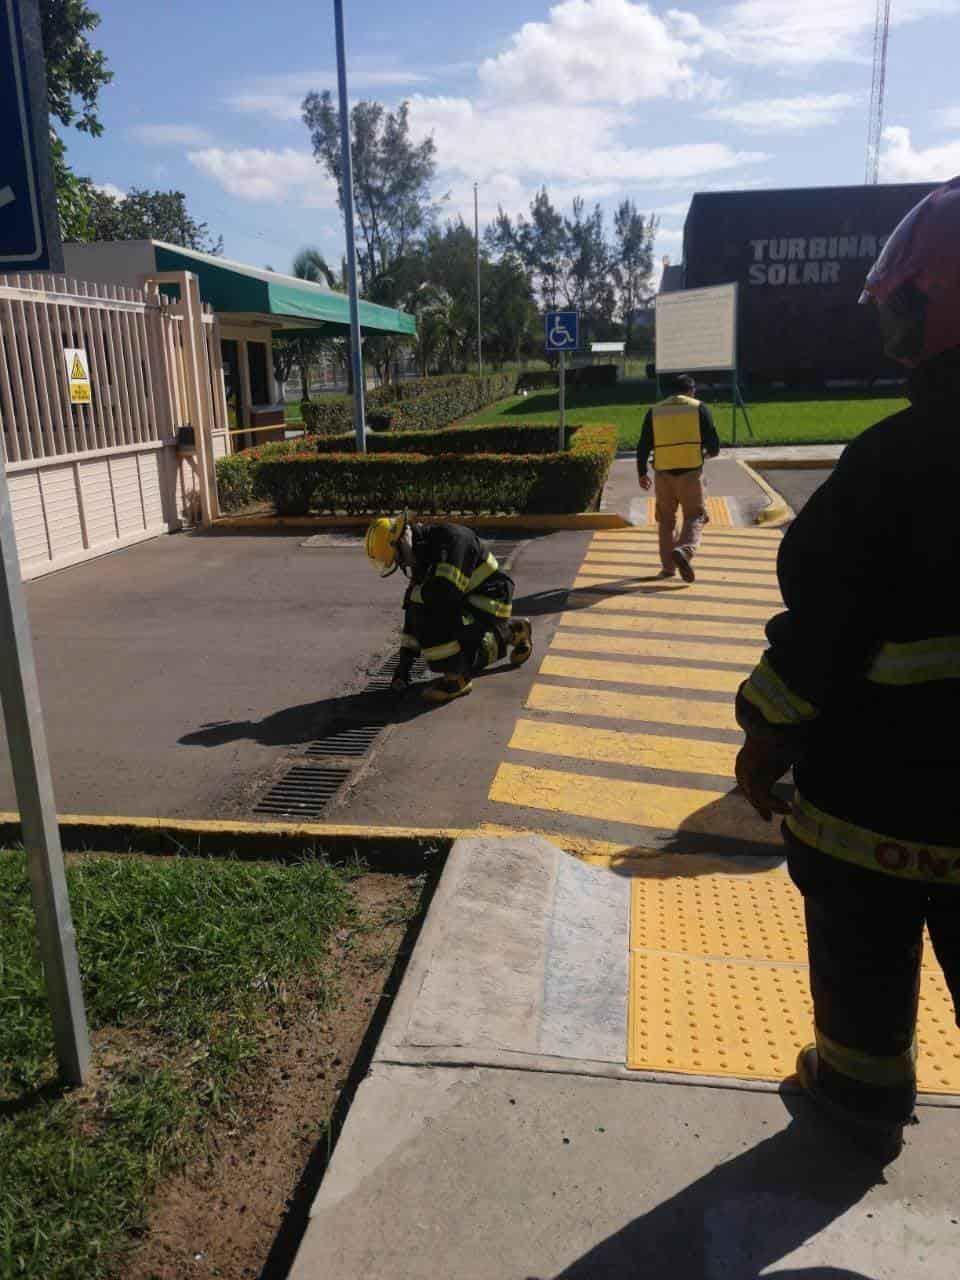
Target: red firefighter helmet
[[916, 280]]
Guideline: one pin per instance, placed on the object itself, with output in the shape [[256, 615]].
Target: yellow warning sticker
[[78, 375]]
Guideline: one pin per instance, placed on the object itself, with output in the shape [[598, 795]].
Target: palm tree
[[310, 265]]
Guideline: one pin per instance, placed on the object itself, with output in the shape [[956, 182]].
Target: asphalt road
[[796, 486]]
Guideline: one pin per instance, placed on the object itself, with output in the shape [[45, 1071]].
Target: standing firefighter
[[457, 609], [859, 692], [679, 432]]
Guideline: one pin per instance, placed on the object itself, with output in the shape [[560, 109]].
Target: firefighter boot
[[447, 688], [876, 1138], [521, 640]]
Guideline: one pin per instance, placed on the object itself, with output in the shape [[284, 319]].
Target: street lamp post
[[346, 166]]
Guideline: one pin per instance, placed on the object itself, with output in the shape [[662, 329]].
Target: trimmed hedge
[[234, 482], [417, 404], [442, 483]]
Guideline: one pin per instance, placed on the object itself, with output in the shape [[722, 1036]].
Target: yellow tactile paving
[[589, 642], [609, 622], [636, 750], [699, 679], [717, 510], [650, 708], [695, 810], [719, 985], [705, 590]]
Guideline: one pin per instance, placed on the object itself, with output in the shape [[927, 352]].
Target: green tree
[[392, 176], [541, 243], [76, 72], [147, 215], [510, 318], [300, 351], [588, 286], [633, 261]]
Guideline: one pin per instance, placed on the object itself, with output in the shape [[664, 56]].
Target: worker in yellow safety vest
[[680, 433], [859, 694]]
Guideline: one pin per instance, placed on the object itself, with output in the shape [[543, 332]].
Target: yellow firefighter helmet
[[383, 538]]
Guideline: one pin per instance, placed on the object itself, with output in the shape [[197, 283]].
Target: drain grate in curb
[[347, 739], [381, 678], [304, 792]]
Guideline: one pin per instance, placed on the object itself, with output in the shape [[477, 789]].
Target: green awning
[[282, 300]]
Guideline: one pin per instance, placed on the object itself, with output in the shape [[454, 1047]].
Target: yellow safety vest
[[676, 434]]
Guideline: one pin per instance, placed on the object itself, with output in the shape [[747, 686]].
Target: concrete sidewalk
[[499, 1135]]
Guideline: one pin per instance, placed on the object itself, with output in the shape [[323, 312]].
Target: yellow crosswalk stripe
[[704, 679], [710, 591], [629, 803], [716, 560], [672, 603], [650, 708], [592, 620], [653, 647], [646, 750], [639, 572], [640, 533]]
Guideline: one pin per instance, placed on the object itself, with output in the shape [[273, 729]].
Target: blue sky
[[603, 98]]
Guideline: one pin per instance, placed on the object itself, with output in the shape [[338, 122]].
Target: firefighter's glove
[[401, 676], [759, 765]]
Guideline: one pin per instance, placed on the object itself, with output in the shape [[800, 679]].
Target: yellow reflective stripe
[[452, 574], [491, 650], [774, 698], [416, 596], [438, 651], [891, 855], [481, 574], [409, 642], [496, 607], [869, 1068], [917, 662]]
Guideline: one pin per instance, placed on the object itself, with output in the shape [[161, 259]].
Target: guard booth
[[251, 306]]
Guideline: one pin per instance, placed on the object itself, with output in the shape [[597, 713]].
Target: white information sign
[[696, 329]]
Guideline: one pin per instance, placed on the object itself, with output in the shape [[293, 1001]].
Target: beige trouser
[[686, 492]]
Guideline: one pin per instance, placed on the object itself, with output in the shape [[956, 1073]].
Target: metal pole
[[476, 234], [563, 401], [346, 166], [20, 699]]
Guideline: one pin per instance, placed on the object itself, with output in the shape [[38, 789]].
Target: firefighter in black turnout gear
[[458, 606], [859, 693]]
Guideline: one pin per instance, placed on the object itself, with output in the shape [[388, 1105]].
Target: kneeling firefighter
[[859, 693], [458, 606]]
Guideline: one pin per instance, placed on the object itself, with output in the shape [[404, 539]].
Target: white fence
[[89, 477]]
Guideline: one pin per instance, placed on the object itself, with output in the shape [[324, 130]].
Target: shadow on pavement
[[745, 1215], [308, 721], [560, 599]]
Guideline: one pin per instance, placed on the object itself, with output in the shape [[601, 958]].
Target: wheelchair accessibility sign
[[562, 330]]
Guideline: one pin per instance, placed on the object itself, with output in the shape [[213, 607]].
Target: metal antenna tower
[[881, 37]]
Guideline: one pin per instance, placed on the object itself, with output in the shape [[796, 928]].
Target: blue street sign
[[562, 330], [27, 204]]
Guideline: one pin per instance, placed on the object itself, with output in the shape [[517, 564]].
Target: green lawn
[[184, 962], [789, 419]]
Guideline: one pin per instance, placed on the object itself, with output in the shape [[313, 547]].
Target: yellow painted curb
[[779, 511], [392, 848], [530, 523]]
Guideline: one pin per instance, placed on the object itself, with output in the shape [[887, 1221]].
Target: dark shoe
[[876, 1138], [682, 561], [447, 688], [521, 640]]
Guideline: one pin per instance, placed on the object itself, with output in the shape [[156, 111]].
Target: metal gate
[[101, 463]]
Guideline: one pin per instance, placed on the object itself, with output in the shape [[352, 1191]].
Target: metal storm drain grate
[[324, 541], [383, 675], [346, 739], [304, 792]]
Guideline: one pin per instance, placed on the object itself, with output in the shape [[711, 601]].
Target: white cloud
[[901, 161], [110, 189], [797, 36], [260, 175], [596, 51], [170, 135], [479, 139], [280, 97], [948, 118], [784, 115]]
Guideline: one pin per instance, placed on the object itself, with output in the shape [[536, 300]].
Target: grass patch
[[784, 418], [183, 963]]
